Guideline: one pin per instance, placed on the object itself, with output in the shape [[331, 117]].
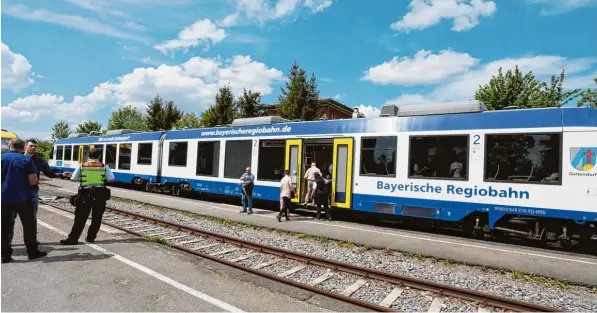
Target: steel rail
[[399, 280]]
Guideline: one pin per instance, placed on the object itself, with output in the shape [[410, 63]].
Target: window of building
[[144, 155], [378, 156], [208, 158], [124, 156], [532, 158], [178, 153], [238, 158], [271, 159], [111, 156], [68, 153], [59, 152], [439, 157], [76, 153]]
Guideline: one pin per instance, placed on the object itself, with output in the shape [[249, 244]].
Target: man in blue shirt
[[19, 175], [247, 181]]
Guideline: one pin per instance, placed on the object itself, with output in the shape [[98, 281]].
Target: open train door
[[294, 152], [342, 173]]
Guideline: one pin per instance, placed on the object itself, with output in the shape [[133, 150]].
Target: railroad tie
[[206, 246], [189, 241], [150, 229], [436, 305], [159, 234], [244, 257], [483, 310], [264, 264], [292, 271], [354, 287], [391, 297], [136, 226], [321, 278], [224, 251], [176, 237]]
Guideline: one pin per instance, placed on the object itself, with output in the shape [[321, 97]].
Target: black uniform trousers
[[322, 202], [25, 212], [89, 203], [284, 206]]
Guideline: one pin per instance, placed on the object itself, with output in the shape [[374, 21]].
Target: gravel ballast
[[515, 285]]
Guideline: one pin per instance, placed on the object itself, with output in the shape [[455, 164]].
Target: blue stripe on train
[[452, 211]]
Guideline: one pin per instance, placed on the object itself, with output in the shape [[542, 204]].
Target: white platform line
[[209, 299]]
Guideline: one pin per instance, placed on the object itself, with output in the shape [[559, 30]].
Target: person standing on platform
[[91, 197], [42, 166], [286, 191], [247, 181], [19, 175], [321, 196]]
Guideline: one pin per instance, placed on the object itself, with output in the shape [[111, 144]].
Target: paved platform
[[123, 273], [570, 266]]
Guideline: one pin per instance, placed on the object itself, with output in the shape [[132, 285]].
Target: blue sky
[[79, 60]]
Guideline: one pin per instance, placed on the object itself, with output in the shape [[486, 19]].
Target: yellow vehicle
[[6, 137]]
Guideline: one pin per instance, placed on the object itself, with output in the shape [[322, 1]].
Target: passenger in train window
[[310, 177], [247, 181], [286, 193], [322, 192], [456, 167]]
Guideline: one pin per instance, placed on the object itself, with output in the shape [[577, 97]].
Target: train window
[[178, 153], [111, 156], [76, 153], [59, 152], [101, 150], [208, 158], [86, 153], [378, 156], [271, 159], [68, 153], [124, 156], [144, 154], [532, 158], [238, 158], [439, 157]]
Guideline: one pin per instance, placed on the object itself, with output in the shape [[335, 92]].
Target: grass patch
[[558, 283], [367, 247], [416, 256], [157, 239], [448, 262], [343, 244]]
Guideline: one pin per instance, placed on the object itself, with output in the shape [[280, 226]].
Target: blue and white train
[[527, 173]]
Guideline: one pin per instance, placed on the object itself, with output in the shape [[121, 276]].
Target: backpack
[[322, 187]]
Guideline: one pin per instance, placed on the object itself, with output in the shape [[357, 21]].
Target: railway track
[[342, 281]]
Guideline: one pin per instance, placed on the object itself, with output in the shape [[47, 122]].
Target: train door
[[294, 153], [342, 173]]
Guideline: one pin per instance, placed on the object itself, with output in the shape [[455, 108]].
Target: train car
[[6, 137], [527, 173]]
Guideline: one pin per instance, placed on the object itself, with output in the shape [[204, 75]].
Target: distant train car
[[6, 137], [526, 173]]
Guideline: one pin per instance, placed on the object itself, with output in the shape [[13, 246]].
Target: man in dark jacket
[[322, 192]]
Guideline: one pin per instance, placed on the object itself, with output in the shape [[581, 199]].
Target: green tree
[[89, 126], [60, 130], [553, 94], [162, 115], [171, 115], [222, 112], [43, 148], [514, 88], [588, 97], [300, 98], [188, 120], [249, 104], [128, 117]]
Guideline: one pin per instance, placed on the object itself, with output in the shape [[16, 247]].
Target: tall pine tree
[[300, 98], [223, 112], [249, 104], [162, 115], [171, 115]]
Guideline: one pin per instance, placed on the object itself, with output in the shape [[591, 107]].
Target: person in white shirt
[[286, 191], [310, 177], [456, 169]]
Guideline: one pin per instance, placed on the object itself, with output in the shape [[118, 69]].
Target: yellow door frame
[[81, 156], [289, 144], [349, 143]]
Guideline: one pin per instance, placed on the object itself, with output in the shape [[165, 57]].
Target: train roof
[[453, 116]]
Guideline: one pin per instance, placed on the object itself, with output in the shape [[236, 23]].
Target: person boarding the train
[[247, 181], [286, 193], [322, 191], [310, 177], [91, 197]]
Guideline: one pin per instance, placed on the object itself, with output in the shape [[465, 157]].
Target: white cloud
[[16, 70], [192, 86], [71, 21], [339, 96], [261, 11], [201, 32], [554, 7], [426, 13], [369, 111], [134, 25], [424, 68], [579, 73]]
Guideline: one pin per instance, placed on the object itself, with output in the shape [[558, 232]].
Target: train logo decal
[[58, 163], [583, 159]]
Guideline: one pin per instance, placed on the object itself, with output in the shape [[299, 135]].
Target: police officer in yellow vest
[[91, 197]]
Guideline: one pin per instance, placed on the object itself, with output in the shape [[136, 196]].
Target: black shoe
[[38, 254], [242, 211], [287, 218], [250, 212], [329, 219], [38, 243], [68, 242], [279, 218], [6, 260], [90, 240]]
